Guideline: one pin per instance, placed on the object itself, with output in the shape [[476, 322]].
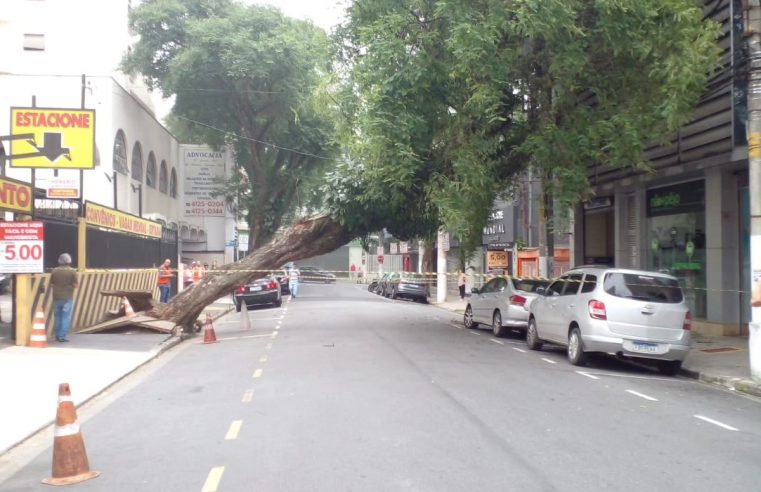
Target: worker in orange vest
[[196, 272]]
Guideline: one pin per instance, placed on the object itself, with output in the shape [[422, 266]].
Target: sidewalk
[[722, 361], [29, 377]]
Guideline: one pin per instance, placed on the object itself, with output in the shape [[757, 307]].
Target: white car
[[502, 303], [627, 313]]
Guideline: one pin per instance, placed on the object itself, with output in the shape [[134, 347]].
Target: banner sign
[[60, 186], [109, 218], [204, 171], [15, 196], [497, 260], [21, 247], [58, 138]]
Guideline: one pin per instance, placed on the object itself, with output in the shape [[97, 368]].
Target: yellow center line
[[212, 481], [258, 373], [232, 432], [263, 358], [248, 396]]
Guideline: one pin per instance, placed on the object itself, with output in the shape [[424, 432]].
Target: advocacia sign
[[108, 218]]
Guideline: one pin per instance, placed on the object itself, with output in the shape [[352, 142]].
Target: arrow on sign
[[51, 147]]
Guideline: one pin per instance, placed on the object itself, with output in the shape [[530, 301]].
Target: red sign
[[380, 258], [22, 231]]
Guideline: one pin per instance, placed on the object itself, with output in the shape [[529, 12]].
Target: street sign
[[380, 259], [61, 186], [21, 247], [61, 138], [15, 196]]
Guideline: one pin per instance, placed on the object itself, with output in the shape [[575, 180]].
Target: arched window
[[150, 172], [163, 179], [173, 184], [120, 153], [137, 162]]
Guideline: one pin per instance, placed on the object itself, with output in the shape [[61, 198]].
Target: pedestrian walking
[[63, 279], [293, 280], [196, 272], [461, 281], [353, 272], [165, 280]]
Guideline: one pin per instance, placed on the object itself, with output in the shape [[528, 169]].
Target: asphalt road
[[341, 390]]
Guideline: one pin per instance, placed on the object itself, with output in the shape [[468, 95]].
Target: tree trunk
[[310, 237]]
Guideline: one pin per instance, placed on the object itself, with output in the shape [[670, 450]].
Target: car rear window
[[529, 285], [413, 277], [643, 287]]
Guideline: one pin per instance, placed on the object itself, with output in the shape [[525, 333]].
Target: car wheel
[[423, 300], [496, 325], [532, 336], [669, 367], [278, 303], [576, 355], [238, 306], [467, 318]]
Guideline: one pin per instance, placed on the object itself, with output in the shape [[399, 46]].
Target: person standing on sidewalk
[[63, 279], [461, 280], [165, 280], [293, 280]]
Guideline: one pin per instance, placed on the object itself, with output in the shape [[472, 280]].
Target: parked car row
[[630, 314], [406, 285]]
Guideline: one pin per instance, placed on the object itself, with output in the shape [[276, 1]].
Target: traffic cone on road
[[208, 331], [39, 337], [70, 463], [128, 311], [245, 323]]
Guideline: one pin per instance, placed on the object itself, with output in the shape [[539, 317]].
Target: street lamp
[[139, 189], [112, 179]]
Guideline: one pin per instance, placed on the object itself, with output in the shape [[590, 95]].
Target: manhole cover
[[720, 349]]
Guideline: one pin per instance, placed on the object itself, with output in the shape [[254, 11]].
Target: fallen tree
[[309, 237]]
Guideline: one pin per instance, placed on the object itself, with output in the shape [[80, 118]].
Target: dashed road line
[[549, 361], [459, 327], [586, 374], [519, 350], [263, 358], [212, 480], [473, 332], [234, 430], [716, 422], [248, 396], [497, 341], [258, 373], [274, 334], [641, 395]]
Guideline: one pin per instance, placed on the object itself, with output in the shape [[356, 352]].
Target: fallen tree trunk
[[310, 237]]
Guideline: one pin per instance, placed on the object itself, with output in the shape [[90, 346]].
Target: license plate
[[254, 288], [645, 347]]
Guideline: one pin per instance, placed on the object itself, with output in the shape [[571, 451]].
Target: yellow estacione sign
[[109, 218], [52, 138]]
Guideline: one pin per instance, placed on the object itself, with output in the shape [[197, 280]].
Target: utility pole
[[752, 18]]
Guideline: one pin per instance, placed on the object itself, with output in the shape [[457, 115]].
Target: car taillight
[[272, 285], [240, 289], [597, 310], [687, 321], [517, 300]]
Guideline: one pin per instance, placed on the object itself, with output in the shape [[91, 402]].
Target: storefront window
[[676, 238]]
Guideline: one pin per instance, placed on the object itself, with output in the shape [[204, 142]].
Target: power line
[[254, 140]]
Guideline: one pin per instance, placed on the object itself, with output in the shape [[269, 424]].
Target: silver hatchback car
[[627, 313], [502, 303]]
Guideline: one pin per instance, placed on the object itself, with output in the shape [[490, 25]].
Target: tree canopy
[[247, 77]]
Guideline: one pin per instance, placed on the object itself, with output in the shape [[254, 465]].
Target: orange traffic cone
[[208, 331], [39, 338], [128, 311], [70, 463]]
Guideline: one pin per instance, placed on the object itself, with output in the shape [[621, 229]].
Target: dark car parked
[[260, 291], [314, 274], [409, 285]]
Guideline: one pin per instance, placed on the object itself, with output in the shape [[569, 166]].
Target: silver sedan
[[502, 303]]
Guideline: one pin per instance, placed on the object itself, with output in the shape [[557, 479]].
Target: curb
[[733, 384]]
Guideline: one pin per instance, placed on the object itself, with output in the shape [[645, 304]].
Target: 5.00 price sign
[[21, 247]]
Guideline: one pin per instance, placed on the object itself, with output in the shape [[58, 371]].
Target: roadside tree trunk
[[310, 237]]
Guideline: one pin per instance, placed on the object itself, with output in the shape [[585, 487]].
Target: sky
[[324, 13]]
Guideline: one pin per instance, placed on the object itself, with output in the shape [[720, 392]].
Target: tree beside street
[[444, 105]]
